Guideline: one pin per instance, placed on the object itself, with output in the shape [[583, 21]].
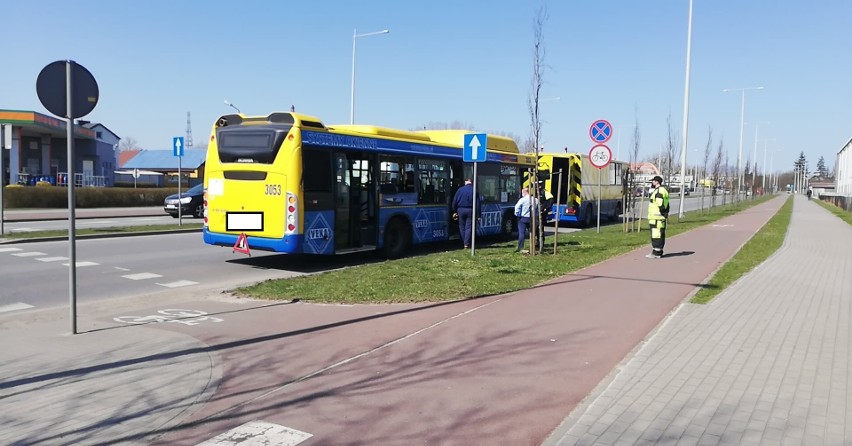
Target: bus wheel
[[508, 226], [397, 239], [588, 218], [613, 216]]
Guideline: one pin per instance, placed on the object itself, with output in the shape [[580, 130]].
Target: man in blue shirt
[[463, 207], [523, 212]]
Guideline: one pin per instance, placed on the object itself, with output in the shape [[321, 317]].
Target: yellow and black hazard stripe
[[575, 188]]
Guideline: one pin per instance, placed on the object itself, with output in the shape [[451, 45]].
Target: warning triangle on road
[[242, 245]]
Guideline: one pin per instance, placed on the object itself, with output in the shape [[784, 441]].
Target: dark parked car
[[191, 202]]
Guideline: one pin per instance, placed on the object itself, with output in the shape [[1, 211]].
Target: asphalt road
[[89, 223], [36, 274]]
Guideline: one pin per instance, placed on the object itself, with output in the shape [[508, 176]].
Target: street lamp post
[[754, 158], [685, 116], [232, 106], [742, 122], [764, 166], [355, 35]]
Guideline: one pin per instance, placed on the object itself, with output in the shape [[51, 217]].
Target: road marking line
[[51, 259], [29, 254], [9, 249], [147, 219], [177, 284], [259, 432], [141, 276], [122, 269], [24, 230], [14, 307], [79, 264]]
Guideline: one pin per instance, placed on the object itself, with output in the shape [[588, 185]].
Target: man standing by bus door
[[463, 209], [658, 214]]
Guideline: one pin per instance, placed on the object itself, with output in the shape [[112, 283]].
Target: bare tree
[[672, 154], [727, 175], [533, 103], [128, 143], [635, 184], [707, 150], [717, 171]]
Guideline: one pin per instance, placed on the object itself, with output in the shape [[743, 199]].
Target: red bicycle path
[[502, 369]]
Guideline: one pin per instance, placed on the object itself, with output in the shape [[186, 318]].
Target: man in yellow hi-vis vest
[[658, 213]]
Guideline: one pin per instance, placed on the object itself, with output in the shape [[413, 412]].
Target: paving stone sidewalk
[[766, 363]]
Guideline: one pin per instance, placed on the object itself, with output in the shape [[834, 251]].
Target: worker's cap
[[658, 179]]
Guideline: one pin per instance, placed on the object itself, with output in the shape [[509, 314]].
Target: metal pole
[[352, 98], [599, 199], [72, 236], [764, 168], [2, 175], [473, 216], [740, 156], [556, 223], [685, 117], [180, 205]]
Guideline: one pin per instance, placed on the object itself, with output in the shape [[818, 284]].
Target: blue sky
[[446, 61]]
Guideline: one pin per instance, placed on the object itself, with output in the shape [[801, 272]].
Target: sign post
[[2, 173], [474, 152], [177, 150], [67, 89], [600, 156]]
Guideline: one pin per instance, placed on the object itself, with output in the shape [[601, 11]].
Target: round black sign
[[52, 92]]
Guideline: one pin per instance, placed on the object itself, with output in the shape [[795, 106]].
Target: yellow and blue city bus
[[294, 185], [579, 187]]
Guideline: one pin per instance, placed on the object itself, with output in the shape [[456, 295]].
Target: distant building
[[843, 171], [35, 149], [162, 167]]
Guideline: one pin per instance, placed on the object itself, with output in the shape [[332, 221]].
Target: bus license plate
[[244, 221]]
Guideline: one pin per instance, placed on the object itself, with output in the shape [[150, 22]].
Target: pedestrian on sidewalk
[[545, 205], [658, 215], [463, 208], [523, 212]]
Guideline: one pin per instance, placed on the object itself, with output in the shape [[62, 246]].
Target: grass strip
[[455, 274], [762, 245], [844, 215], [98, 231]]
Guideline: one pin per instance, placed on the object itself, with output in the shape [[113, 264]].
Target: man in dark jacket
[[463, 207]]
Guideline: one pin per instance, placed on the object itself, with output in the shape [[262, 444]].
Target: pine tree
[[822, 171]]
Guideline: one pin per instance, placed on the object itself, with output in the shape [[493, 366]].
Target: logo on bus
[[490, 219], [319, 234]]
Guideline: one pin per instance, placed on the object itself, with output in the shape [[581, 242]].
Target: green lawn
[[844, 215], [764, 243], [452, 275]]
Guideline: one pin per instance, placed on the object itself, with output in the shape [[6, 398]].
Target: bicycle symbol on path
[[186, 317]]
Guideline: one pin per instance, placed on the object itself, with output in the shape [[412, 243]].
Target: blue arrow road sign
[[474, 147], [177, 146]]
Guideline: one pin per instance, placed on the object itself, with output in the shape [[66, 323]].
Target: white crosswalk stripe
[[51, 259], [178, 284], [29, 254], [10, 249], [79, 264], [141, 276], [14, 307]]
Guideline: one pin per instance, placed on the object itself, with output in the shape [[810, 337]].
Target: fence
[[843, 202]]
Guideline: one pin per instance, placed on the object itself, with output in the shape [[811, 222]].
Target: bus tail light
[[292, 214], [204, 205]]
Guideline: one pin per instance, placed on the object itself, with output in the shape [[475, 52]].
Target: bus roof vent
[[312, 124], [227, 120], [280, 118]]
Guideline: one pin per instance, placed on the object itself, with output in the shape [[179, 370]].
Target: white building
[[843, 174]]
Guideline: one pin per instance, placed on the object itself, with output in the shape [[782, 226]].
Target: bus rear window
[[252, 145]]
